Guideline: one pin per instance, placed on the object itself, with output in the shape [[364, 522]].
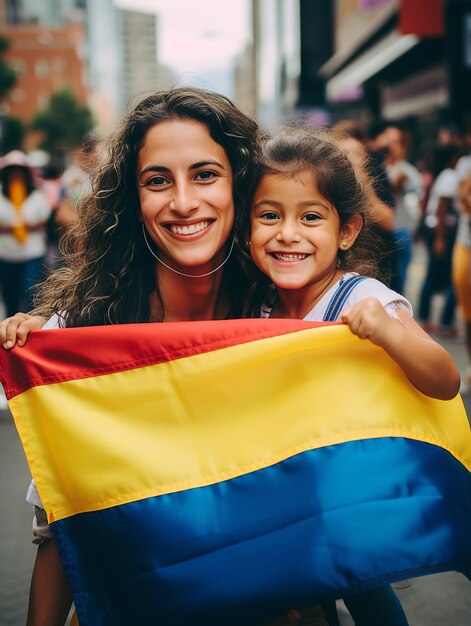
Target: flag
[[221, 473]]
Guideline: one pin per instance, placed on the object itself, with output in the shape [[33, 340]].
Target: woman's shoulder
[[55, 321]]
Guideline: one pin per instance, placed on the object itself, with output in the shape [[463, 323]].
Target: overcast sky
[[198, 39]]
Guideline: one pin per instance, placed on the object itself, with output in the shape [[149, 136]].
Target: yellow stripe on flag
[[210, 417]]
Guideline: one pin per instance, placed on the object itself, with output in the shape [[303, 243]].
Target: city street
[[438, 600], [138, 141]]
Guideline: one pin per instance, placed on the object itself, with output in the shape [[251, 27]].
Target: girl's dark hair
[[109, 272], [297, 149]]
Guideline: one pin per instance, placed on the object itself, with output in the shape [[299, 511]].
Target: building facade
[[406, 60], [46, 60], [140, 67]]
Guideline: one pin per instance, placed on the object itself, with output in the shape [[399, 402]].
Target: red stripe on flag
[[53, 356]]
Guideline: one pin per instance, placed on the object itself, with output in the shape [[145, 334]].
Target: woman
[[152, 244]]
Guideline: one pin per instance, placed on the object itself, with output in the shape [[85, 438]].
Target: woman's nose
[[185, 199]]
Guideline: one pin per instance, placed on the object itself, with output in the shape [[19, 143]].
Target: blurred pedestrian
[[440, 225], [461, 262], [450, 134], [24, 211], [51, 185], [76, 181], [406, 183], [369, 166], [74, 188]]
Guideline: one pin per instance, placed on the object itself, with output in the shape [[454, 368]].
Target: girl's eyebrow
[[305, 204], [272, 203], [194, 166]]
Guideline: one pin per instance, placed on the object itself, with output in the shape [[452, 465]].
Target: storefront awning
[[368, 64]]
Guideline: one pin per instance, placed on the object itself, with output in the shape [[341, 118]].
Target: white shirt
[[369, 287], [35, 210], [463, 235], [407, 198], [444, 186]]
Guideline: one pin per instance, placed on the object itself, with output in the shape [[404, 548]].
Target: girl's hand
[[17, 328], [426, 363], [367, 319]]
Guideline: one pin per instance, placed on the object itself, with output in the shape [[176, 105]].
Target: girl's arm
[[17, 328], [50, 597], [427, 365]]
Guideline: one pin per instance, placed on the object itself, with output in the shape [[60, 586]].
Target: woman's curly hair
[[109, 274]]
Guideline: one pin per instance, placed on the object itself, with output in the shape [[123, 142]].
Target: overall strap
[[340, 296]]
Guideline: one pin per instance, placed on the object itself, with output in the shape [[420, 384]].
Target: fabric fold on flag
[[224, 472]]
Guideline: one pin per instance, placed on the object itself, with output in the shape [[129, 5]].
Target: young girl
[[310, 244]]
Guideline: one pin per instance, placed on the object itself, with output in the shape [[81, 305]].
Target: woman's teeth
[[191, 229]]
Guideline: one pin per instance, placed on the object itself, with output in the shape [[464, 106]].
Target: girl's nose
[[288, 233]]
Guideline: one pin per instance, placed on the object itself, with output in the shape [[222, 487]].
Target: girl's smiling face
[[184, 181], [295, 232]]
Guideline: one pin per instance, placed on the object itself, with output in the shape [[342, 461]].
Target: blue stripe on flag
[[324, 523]]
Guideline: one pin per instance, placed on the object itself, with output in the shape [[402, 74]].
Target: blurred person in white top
[[24, 211], [440, 227], [461, 262], [406, 182]]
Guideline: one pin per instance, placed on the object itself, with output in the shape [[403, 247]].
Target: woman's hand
[[15, 330]]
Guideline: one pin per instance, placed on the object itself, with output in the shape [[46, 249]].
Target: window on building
[[58, 66], [18, 65], [17, 95], [42, 68], [43, 99]]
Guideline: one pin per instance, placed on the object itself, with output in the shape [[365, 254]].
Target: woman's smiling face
[[184, 181]]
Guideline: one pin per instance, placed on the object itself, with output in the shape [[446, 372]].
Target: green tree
[[7, 73], [11, 129], [13, 132], [64, 122]]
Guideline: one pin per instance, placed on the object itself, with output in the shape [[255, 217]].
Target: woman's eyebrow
[[154, 168], [204, 163], [193, 166]]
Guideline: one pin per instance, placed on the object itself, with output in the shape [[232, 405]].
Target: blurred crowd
[[425, 201], [37, 206], [430, 204]]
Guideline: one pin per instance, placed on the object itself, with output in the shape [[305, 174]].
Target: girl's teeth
[[188, 230], [290, 257]]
